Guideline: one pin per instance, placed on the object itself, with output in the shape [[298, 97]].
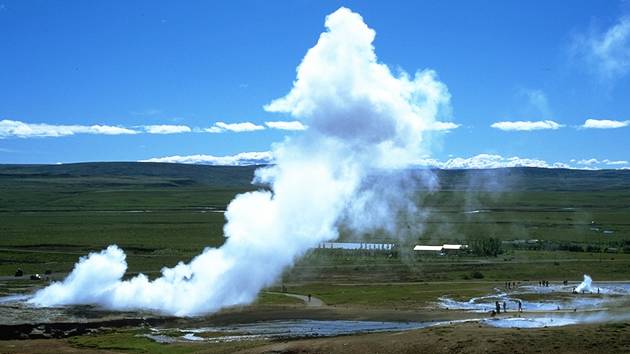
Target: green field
[[50, 215]]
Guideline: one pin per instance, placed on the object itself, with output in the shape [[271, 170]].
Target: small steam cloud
[[361, 119], [586, 285]]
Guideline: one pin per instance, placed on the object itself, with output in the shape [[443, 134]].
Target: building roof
[[453, 247], [427, 248], [439, 248]]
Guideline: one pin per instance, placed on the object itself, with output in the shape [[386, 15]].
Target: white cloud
[[213, 129], [604, 124], [242, 159], [166, 129], [592, 162], [481, 161], [286, 125], [444, 126], [485, 161], [607, 53], [220, 127], [526, 125], [12, 128], [588, 162], [618, 162], [493, 161]]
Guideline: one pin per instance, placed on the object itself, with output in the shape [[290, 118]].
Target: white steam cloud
[[361, 118]]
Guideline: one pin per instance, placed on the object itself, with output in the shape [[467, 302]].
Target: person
[[497, 306], [520, 306], [504, 307], [597, 290], [309, 297]]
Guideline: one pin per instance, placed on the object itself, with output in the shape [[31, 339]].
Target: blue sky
[[524, 77]]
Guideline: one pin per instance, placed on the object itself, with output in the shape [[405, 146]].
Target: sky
[[531, 83]]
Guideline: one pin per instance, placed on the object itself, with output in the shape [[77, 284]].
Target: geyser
[[585, 285], [361, 118]]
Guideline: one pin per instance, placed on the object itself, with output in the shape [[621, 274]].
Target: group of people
[[544, 283], [511, 285], [498, 305]]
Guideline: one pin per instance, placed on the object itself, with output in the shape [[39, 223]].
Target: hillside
[[239, 177]]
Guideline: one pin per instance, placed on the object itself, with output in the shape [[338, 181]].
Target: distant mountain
[[177, 174], [502, 179]]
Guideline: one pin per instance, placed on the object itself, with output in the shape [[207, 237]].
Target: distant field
[[163, 213]]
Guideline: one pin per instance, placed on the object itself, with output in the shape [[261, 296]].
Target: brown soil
[[469, 338]]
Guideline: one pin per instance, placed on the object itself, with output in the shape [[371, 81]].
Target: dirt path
[[313, 302]]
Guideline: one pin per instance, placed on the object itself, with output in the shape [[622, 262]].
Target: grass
[[49, 216], [133, 341], [129, 341], [391, 296]]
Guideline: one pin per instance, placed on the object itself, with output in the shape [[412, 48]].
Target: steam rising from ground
[[361, 118], [585, 285]]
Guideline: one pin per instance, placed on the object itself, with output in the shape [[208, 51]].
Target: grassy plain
[[163, 213]]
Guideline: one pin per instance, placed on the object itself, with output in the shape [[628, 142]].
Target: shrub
[[476, 275], [485, 247]]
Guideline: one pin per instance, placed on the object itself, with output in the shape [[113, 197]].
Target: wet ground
[[281, 330], [542, 307], [536, 298]]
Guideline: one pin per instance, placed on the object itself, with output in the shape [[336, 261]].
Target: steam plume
[[361, 118], [585, 285]]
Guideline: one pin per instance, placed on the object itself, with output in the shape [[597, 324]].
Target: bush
[[593, 249], [476, 275], [571, 247], [485, 247]]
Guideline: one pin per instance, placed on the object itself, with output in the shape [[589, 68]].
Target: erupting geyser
[[585, 285], [361, 118]]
